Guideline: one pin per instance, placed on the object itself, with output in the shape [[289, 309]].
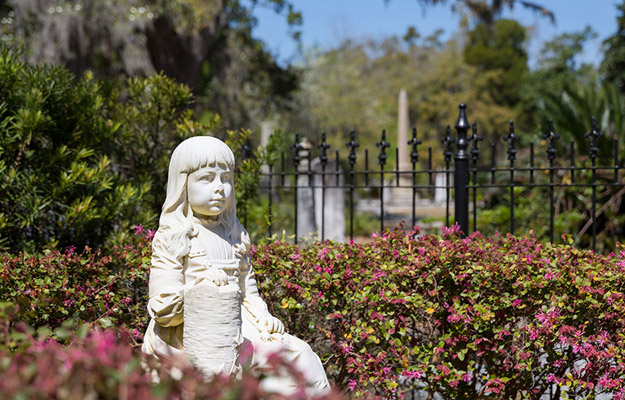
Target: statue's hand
[[239, 250], [213, 275], [272, 325]]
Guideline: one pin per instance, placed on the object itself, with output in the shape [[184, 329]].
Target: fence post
[[461, 172]]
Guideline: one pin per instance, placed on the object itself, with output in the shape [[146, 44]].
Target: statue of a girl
[[201, 248]]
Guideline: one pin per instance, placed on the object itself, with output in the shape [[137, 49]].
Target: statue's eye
[[227, 177], [208, 177]]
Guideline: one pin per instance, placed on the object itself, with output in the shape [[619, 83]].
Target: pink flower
[[413, 374], [534, 335], [386, 370], [71, 250], [516, 303], [351, 384], [139, 229], [551, 378], [374, 235], [467, 377], [452, 230], [603, 338], [606, 382], [453, 318], [549, 276]]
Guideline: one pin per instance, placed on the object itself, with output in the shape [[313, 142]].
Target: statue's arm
[[249, 290], [166, 290]]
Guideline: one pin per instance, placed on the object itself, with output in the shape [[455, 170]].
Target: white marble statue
[[203, 299]]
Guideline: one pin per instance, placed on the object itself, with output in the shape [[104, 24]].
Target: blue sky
[[327, 22]]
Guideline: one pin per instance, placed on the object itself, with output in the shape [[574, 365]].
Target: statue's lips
[[217, 202]]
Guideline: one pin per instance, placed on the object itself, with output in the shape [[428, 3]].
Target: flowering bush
[[56, 289], [474, 317], [101, 365], [469, 317]]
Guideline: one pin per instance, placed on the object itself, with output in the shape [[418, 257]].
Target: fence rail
[[464, 178]]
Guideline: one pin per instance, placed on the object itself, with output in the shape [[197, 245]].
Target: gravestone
[[306, 226], [440, 192], [329, 202]]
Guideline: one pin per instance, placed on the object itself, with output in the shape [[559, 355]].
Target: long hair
[[176, 226]]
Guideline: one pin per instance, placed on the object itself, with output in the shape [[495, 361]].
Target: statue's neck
[[213, 224]]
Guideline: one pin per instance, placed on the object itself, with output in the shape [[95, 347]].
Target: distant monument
[[403, 127]]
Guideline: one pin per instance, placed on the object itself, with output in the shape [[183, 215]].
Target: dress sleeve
[[166, 287], [253, 305]]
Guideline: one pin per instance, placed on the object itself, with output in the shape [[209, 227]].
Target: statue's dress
[[168, 279]]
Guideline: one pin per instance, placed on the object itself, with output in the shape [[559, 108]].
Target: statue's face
[[210, 190]]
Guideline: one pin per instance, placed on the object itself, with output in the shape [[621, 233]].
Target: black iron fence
[[471, 185]]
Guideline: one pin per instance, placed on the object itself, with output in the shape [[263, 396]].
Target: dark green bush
[[67, 145]]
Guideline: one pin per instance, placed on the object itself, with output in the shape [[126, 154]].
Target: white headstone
[[329, 202]]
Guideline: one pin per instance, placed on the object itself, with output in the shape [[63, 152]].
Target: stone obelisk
[[403, 128]]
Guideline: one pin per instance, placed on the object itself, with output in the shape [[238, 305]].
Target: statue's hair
[[176, 226]]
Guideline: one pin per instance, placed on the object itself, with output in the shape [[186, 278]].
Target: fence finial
[[593, 135], [323, 146], [353, 145], [475, 138], [296, 148], [414, 142], [383, 144], [551, 137], [447, 141], [462, 126], [511, 138]]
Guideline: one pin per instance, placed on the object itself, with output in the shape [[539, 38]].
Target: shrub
[[475, 317], [60, 288], [59, 187], [99, 364], [468, 318]]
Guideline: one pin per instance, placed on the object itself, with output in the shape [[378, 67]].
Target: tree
[[488, 11], [557, 68], [613, 65], [204, 44], [498, 52], [355, 86]]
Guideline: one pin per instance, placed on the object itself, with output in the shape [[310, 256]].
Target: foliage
[[55, 289], [498, 52], [100, 364], [488, 11], [613, 63], [364, 78], [471, 318], [59, 185], [82, 159], [204, 44], [573, 109], [500, 317]]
